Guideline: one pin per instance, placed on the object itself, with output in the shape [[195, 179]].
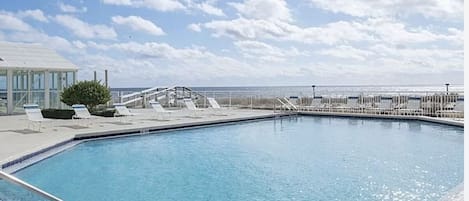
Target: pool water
[[297, 158]]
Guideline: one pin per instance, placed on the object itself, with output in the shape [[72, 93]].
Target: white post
[[46, 89], [230, 99], [30, 80], [144, 100], [205, 99], [9, 91], [60, 88]]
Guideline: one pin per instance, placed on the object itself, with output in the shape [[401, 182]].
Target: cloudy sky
[[147, 43]]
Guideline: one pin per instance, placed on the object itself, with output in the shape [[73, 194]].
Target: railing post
[[205, 99], [144, 100], [251, 102], [230, 99]]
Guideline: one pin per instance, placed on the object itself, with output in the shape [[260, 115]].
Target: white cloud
[[34, 14], [71, 9], [159, 50], [165, 63], [392, 31], [263, 51], [10, 22], [97, 46], [191, 64], [85, 30], [162, 5], [422, 54], [246, 29], [264, 9], [341, 32], [170, 5], [209, 9], [159, 5], [137, 23], [449, 9], [118, 2], [79, 44], [54, 42], [346, 52], [194, 27], [267, 44]]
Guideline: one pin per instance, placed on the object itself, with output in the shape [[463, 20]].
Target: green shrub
[[57, 113], [104, 113], [89, 93]]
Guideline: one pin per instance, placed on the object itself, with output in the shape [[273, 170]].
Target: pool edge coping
[[396, 117]]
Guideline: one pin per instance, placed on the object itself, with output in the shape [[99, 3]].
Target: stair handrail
[[284, 104], [290, 103]]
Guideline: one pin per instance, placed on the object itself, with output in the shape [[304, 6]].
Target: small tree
[[89, 93]]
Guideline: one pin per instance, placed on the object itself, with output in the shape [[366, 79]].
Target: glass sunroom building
[[31, 73]]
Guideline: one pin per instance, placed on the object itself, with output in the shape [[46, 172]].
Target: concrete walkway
[[16, 140]]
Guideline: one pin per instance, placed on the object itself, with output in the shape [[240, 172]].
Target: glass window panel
[[38, 80], [20, 90]]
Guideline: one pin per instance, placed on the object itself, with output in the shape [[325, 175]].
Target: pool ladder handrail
[[14, 180]]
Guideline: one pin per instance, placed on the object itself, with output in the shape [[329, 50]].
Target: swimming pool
[[297, 158]]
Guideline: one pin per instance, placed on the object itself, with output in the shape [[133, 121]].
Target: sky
[[146, 43]]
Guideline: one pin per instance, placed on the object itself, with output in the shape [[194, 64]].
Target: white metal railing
[[13, 180], [142, 95], [304, 101], [385, 105]]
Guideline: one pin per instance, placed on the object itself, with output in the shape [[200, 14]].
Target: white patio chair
[[81, 112], [33, 112], [192, 108], [122, 110], [216, 107], [160, 110]]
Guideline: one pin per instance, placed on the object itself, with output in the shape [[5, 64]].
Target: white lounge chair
[[122, 110], [192, 108], [446, 105], [370, 104], [315, 105], [216, 107], [333, 104], [399, 102], [400, 106], [81, 112], [33, 112], [160, 110], [339, 104]]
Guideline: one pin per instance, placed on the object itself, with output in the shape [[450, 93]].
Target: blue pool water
[[298, 158]]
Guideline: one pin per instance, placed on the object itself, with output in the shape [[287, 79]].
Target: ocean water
[[285, 91], [297, 158]]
